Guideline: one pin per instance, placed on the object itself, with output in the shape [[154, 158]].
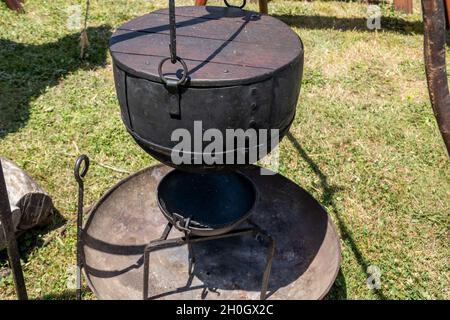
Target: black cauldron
[[243, 72]]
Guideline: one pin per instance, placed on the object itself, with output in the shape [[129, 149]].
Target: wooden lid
[[221, 46]]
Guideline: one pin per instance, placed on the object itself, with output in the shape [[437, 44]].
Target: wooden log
[[30, 205]]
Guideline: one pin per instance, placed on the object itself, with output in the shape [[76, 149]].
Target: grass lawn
[[364, 141]]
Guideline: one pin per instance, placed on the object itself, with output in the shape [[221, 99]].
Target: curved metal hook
[[233, 6], [80, 172]]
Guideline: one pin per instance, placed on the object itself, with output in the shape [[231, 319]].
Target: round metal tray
[[127, 217]]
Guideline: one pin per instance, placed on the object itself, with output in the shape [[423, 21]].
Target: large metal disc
[[127, 217]]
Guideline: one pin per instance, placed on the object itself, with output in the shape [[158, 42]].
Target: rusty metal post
[[434, 21], [13, 250], [447, 13]]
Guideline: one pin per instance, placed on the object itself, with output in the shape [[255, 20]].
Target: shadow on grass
[[388, 24], [28, 70], [65, 295], [328, 200]]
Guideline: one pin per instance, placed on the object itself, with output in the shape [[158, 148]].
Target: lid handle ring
[[183, 78]]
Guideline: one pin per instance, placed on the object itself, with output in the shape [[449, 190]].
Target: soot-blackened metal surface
[[214, 203], [121, 224], [245, 73]]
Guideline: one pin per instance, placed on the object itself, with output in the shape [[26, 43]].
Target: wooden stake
[[404, 5], [263, 7]]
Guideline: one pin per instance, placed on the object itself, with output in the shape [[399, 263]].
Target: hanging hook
[[79, 175]]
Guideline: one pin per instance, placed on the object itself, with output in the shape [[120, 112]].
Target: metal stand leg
[[183, 225], [153, 246], [163, 243], [270, 254], [13, 251], [166, 231], [191, 257], [268, 268]]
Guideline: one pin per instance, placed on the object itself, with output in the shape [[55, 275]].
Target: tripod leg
[[153, 246], [268, 267], [146, 271], [191, 258], [270, 255]]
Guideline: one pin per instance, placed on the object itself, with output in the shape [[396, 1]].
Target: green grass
[[364, 141]]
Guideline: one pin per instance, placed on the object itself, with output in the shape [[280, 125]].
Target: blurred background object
[[15, 5]]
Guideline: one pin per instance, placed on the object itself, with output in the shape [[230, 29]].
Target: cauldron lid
[[221, 46]]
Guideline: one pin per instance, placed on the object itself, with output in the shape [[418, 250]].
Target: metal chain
[[174, 58], [173, 42], [173, 32]]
